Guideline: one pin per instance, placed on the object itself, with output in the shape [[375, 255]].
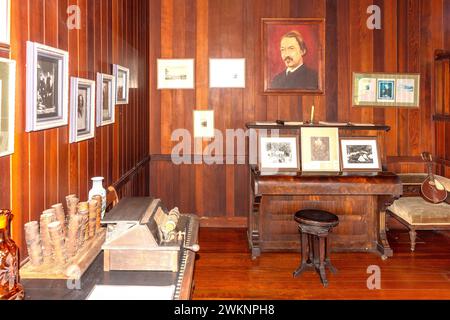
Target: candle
[[312, 114]]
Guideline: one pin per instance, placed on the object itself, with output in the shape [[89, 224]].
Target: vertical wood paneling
[[45, 167], [411, 31]]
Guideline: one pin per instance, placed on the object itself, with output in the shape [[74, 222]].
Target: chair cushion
[[444, 181], [417, 211]]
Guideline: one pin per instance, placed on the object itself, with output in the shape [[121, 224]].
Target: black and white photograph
[[204, 124], [105, 99], [7, 105], [175, 73], [386, 90], [82, 104], [122, 76], [279, 154], [47, 94], [360, 154], [47, 87], [320, 148]]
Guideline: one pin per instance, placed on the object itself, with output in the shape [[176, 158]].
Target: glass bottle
[[97, 189], [10, 288]]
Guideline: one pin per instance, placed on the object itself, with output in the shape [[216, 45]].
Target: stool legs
[[306, 256], [315, 255]]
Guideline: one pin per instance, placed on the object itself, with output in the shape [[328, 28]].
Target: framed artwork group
[[47, 88], [322, 150]]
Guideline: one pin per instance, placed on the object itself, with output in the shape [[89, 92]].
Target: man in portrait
[[296, 75]]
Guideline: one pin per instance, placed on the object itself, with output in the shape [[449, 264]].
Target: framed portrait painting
[[105, 99], [293, 56], [122, 76], [47, 87], [278, 154], [175, 73], [7, 95], [360, 154], [320, 149], [5, 22], [82, 106]]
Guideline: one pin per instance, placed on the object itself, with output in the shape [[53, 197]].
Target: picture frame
[[227, 73], [122, 76], [82, 106], [400, 90], [204, 124], [47, 87], [278, 154], [106, 85], [175, 74], [5, 23], [320, 149], [7, 106], [293, 53], [360, 154]]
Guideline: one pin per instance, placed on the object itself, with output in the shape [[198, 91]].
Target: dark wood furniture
[[358, 199], [314, 226]]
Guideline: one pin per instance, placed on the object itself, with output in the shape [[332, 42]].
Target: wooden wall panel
[[45, 167], [411, 31]]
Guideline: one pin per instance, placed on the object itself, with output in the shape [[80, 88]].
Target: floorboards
[[224, 270]]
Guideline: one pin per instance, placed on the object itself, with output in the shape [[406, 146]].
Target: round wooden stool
[[314, 226]]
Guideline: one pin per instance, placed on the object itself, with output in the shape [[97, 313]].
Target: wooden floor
[[225, 270]]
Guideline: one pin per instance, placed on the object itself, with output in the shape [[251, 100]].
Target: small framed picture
[[5, 22], [7, 96], [278, 154], [360, 154], [385, 90], [105, 99], [320, 150], [400, 90], [82, 106], [47, 87], [122, 76], [175, 74], [227, 73], [204, 124]]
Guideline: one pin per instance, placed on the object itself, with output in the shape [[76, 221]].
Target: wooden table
[[46, 289], [358, 199]]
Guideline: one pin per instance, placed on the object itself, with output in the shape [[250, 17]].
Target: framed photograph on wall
[[204, 124], [320, 150], [47, 87], [293, 56], [122, 76], [82, 106], [227, 73], [105, 99], [5, 22], [278, 154], [386, 90], [360, 154], [7, 106], [175, 73]]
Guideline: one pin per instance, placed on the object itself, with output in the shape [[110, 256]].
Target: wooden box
[[134, 242]]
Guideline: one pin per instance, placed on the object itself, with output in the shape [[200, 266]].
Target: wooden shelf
[[349, 126]]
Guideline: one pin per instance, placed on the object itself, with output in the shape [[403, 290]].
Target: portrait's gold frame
[[264, 40]]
